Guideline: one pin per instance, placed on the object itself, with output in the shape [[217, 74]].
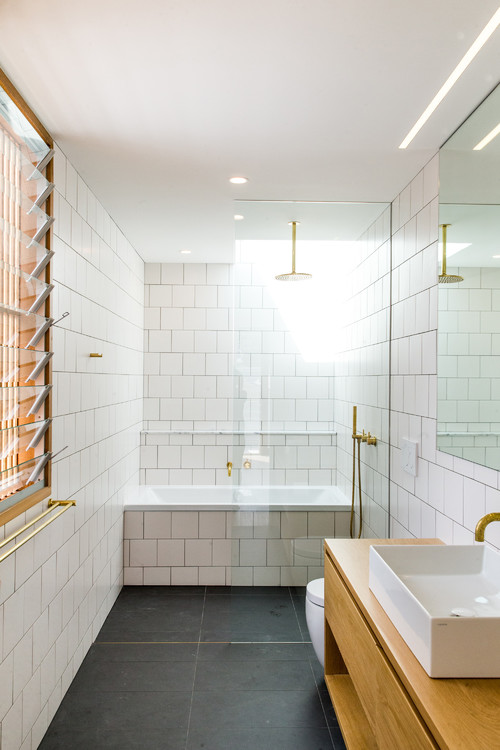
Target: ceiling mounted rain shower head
[[294, 275], [447, 278]]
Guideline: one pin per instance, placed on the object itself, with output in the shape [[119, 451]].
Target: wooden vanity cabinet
[[383, 698]]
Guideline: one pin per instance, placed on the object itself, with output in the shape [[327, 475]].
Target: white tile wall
[[226, 547], [215, 359], [468, 366], [362, 374], [58, 588], [449, 494]]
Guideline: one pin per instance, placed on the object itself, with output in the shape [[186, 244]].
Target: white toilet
[[315, 616]]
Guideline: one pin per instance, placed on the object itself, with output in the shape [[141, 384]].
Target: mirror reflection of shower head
[[447, 278], [294, 275]]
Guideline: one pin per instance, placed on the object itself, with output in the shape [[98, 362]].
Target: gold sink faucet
[[482, 524], [229, 468]]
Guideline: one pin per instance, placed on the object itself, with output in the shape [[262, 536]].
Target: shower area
[[250, 384]]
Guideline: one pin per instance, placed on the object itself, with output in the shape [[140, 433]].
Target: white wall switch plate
[[409, 457]]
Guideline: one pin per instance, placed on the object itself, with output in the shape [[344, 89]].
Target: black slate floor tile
[[232, 664], [121, 635], [95, 739], [254, 652], [143, 652], [152, 592], [135, 676], [239, 591], [120, 711], [260, 708], [254, 675], [260, 739]]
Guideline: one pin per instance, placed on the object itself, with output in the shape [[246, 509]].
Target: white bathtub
[[220, 497]]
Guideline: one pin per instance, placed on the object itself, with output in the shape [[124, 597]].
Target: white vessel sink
[[445, 603]]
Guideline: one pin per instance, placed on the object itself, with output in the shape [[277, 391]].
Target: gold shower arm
[[444, 227], [294, 239], [63, 504]]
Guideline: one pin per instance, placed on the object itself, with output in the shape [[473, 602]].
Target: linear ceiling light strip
[[453, 78]]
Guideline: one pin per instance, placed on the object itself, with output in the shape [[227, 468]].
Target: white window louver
[[24, 305]]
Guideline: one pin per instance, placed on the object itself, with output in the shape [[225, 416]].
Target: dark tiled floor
[[195, 668]]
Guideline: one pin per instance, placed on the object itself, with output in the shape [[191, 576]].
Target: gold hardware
[[229, 466], [247, 464], [355, 435], [63, 504], [483, 523], [95, 354], [447, 278], [364, 437], [356, 438], [294, 275], [371, 440]]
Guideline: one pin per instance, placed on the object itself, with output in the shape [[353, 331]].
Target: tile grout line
[[313, 674], [195, 668]]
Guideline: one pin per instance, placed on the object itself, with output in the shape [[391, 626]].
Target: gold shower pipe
[[62, 504]]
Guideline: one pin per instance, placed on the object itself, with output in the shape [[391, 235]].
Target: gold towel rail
[[62, 504]]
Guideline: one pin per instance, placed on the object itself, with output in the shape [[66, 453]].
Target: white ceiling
[[157, 103]]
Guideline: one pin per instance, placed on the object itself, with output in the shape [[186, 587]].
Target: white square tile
[[134, 524], [293, 524], [184, 576], [218, 273], [156, 576], [133, 576], [172, 273], [182, 341], [206, 296], [184, 524], [143, 552], [267, 525], [198, 552], [293, 576], [183, 296], [205, 341], [253, 552], [279, 552], [157, 524], [171, 318], [212, 525], [169, 456], [212, 576], [195, 319], [171, 552]]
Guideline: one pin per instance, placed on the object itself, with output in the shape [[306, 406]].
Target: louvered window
[[25, 351]]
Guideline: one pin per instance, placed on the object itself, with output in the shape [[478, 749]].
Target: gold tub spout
[[229, 468], [483, 523]]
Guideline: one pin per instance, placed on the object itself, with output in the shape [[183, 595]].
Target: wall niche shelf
[[238, 432]]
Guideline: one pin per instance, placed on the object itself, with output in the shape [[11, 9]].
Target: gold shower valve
[[364, 437], [371, 440]]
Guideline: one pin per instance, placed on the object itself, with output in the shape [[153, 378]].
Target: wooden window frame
[[39, 495]]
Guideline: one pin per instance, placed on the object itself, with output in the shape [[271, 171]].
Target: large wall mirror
[[469, 288]]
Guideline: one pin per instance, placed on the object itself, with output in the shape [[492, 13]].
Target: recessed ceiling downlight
[[185, 252], [238, 180], [238, 217]]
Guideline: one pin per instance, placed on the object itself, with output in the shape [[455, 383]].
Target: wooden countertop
[[462, 714]]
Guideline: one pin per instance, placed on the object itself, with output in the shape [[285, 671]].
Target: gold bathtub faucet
[[483, 523], [229, 466]]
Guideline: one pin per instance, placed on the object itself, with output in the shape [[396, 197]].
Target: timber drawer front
[[382, 697]]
